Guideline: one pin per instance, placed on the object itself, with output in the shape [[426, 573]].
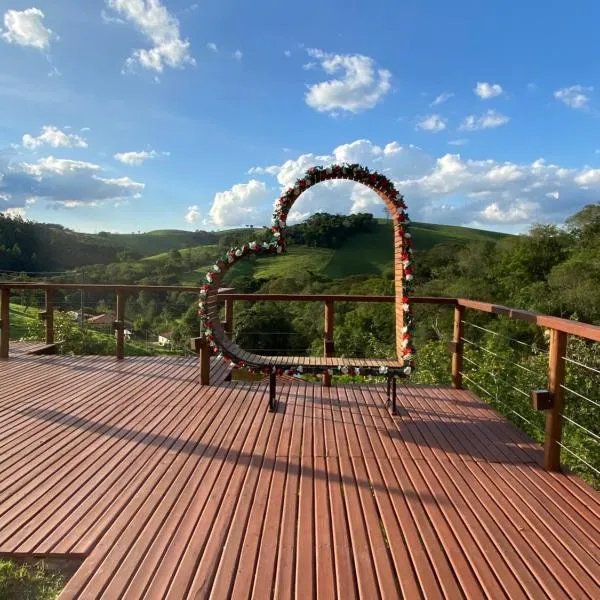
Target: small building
[[165, 338]]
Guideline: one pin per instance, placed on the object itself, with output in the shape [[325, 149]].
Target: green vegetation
[[28, 582]]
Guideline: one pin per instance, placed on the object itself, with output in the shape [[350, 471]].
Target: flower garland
[[377, 182]]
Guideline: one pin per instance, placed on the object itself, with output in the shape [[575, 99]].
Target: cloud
[[240, 205], [212, 47], [459, 142], [161, 28], [433, 123], [444, 97], [487, 90], [193, 214], [61, 183], [14, 213], [138, 158], [54, 137], [287, 53], [238, 55], [444, 189], [108, 19], [576, 96], [25, 28], [488, 120], [360, 85]]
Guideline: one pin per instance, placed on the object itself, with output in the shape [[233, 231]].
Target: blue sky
[[128, 115]]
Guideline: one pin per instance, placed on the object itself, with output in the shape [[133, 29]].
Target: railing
[[550, 398], [47, 314], [547, 395]]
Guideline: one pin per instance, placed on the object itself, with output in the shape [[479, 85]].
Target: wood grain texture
[[168, 489]]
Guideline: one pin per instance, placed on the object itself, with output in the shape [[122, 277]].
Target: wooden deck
[[165, 489]]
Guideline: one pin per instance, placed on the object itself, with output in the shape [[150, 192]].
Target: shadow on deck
[[168, 489]]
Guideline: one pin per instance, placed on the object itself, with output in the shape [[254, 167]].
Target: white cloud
[[444, 97], [588, 177], [138, 158], [83, 129], [243, 204], [433, 123], [238, 55], [62, 182], [488, 120], [447, 189], [193, 214], [212, 47], [576, 96], [287, 53], [26, 28], [361, 85], [161, 28], [487, 90], [52, 136], [108, 19], [15, 212], [458, 142]]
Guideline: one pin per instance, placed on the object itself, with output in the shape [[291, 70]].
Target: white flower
[[405, 307], [238, 252], [276, 234], [383, 370], [357, 371], [344, 370], [300, 368], [216, 268], [405, 329], [279, 249], [330, 371], [407, 235], [230, 258], [409, 277], [252, 245], [405, 343], [407, 370]]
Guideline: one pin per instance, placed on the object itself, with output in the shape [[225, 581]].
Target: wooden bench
[[217, 338]]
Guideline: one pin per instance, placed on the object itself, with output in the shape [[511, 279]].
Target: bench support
[[272, 401], [391, 393]]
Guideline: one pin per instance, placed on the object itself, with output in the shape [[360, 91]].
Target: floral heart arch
[[403, 274]]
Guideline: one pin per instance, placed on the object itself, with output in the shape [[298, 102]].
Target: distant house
[[164, 338], [103, 320]]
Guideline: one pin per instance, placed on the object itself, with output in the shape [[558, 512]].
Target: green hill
[[364, 253]]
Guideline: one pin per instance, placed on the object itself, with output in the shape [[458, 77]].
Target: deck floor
[[165, 489]]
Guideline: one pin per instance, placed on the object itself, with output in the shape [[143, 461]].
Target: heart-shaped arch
[[403, 274]]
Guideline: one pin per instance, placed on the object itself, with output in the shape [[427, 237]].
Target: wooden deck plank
[[169, 489]]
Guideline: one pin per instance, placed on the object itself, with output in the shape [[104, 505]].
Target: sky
[[134, 115]]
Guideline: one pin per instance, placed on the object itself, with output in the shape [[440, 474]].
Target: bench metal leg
[[272, 401], [394, 409], [389, 383]]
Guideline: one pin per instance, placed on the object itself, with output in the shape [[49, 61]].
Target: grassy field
[[365, 254]]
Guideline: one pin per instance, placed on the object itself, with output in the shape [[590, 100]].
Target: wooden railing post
[[328, 347], [4, 322], [120, 324], [204, 349], [457, 347], [229, 317], [556, 379], [49, 316]]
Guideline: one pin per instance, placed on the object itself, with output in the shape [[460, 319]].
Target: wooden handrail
[[331, 298], [584, 330], [96, 287]]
